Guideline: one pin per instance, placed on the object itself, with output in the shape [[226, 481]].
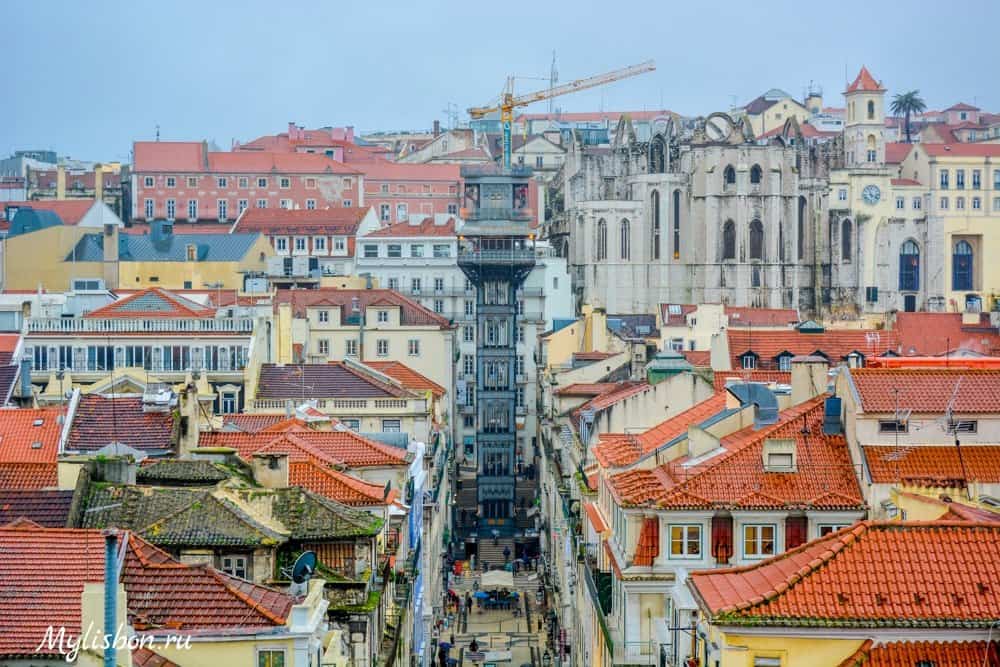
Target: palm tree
[[905, 104]]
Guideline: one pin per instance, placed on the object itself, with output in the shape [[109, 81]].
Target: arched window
[[871, 110], [625, 241], [602, 239], [755, 174], [654, 205], [961, 266], [846, 229], [909, 267], [872, 152], [801, 238], [781, 241], [756, 240], [729, 240], [677, 224], [657, 155], [729, 175]]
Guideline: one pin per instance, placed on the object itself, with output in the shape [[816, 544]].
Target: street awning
[[497, 579]]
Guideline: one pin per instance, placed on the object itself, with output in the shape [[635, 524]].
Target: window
[[339, 243], [351, 347], [413, 347], [846, 233], [785, 362], [749, 361], [654, 206], [961, 266], [382, 347], [235, 566], [917, 203], [416, 250], [996, 179], [625, 249], [371, 250], [390, 426], [323, 316], [384, 188], [827, 528], [469, 364], [171, 181], [439, 306], [996, 203], [439, 284], [729, 240], [943, 175], [241, 205], [685, 541], [223, 206], [285, 204], [261, 182], [281, 244], [319, 243], [729, 176], [270, 658], [602, 240], [756, 240], [470, 307], [346, 203], [758, 540], [842, 194], [228, 403], [394, 284], [960, 179], [415, 285], [261, 203], [192, 209], [284, 183], [383, 212], [755, 175], [539, 162], [395, 250], [401, 213], [960, 203], [872, 152], [871, 110], [222, 182], [977, 203], [310, 204], [944, 203], [382, 316], [323, 346], [976, 179], [768, 661], [442, 250], [243, 182], [300, 244], [893, 426], [147, 182], [452, 209], [900, 203], [192, 181], [468, 334]]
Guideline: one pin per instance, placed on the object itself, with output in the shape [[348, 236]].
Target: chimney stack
[[271, 470], [437, 127], [809, 378], [99, 182], [60, 182]]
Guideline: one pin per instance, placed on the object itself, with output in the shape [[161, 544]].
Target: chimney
[[99, 182], [60, 182], [291, 131], [189, 421], [350, 133], [204, 154], [110, 252], [114, 470], [809, 378], [437, 127], [271, 470]]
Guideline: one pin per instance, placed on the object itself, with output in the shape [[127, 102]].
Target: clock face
[[718, 127], [871, 194]]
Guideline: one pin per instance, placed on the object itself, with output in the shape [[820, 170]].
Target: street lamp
[[546, 659]]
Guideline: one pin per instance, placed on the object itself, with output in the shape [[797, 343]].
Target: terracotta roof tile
[[377, 171], [678, 318], [937, 653], [620, 392], [761, 317], [961, 150], [648, 547], [152, 303], [344, 447], [45, 508], [586, 389], [427, 227], [101, 421], [698, 357], [933, 465], [592, 356], [873, 574], [333, 221], [864, 81], [776, 377], [70, 211], [896, 152], [143, 657], [412, 313], [925, 390], [29, 475], [250, 423], [333, 380], [935, 334], [596, 520], [409, 378], [336, 485], [29, 436], [835, 344]]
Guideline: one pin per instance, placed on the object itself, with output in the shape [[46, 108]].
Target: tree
[[905, 104]]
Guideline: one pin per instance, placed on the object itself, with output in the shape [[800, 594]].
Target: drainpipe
[[110, 596]]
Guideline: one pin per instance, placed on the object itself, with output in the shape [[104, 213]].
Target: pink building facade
[[399, 191]]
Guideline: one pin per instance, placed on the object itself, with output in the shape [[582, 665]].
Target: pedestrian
[[474, 645], [506, 554]]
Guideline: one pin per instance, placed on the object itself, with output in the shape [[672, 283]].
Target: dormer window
[[779, 455], [748, 360], [785, 361]]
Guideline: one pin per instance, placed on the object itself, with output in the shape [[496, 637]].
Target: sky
[[88, 78]]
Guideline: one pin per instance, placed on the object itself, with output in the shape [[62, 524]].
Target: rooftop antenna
[[955, 427], [553, 80], [157, 131]]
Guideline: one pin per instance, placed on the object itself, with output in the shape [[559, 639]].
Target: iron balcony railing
[[500, 213], [242, 325], [497, 256]]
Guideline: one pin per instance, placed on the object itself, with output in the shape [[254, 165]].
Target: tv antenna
[[953, 426], [301, 571]]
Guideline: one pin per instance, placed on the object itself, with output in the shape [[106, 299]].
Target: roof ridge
[[258, 606]]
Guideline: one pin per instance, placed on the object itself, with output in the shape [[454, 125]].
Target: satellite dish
[[304, 567]]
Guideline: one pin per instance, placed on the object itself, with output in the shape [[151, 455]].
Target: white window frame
[[171, 209], [310, 204], [281, 244], [192, 181], [323, 316], [260, 652], [261, 182], [243, 182], [284, 182], [413, 347], [261, 203], [323, 346], [382, 316], [148, 182], [382, 347], [232, 568], [319, 244], [192, 209], [686, 528], [758, 541], [222, 182], [149, 208], [171, 181], [351, 347]]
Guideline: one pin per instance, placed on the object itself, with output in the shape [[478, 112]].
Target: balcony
[[517, 257], [519, 214], [77, 325], [468, 409]]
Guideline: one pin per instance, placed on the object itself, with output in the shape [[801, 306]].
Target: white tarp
[[497, 579]]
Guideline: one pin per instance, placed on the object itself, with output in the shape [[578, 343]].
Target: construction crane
[[508, 102]]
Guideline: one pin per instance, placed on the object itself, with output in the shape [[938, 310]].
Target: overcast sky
[[88, 78]]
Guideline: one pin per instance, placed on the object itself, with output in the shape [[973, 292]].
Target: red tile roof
[[616, 450], [382, 170], [835, 344], [678, 319], [101, 421], [342, 447], [904, 181], [29, 436], [962, 106], [954, 511], [152, 303], [593, 356], [896, 152], [698, 357], [620, 392], [180, 156], [45, 508], [761, 317], [336, 379], [250, 423], [648, 546], [933, 465], [412, 313], [271, 221], [70, 211], [192, 157], [935, 334], [409, 378], [9, 343], [29, 475], [873, 574], [596, 520], [586, 389], [864, 81], [143, 657], [927, 389], [937, 653], [336, 485], [160, 591], [962, 150], [735, 478], [776, 377], [427, 227]]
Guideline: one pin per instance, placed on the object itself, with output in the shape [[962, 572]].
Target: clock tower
[[864, 130]]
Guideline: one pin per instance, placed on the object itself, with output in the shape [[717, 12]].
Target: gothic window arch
[[677, 224], [801, 236], [846, 239], [729, 240], [626, 249], [602, 239], [961, 266], [756, 174], [657, 155], [756, 240], [909, 266], [872, 148], [781, 241], [871, 110], [729, 175], [654, 204]]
